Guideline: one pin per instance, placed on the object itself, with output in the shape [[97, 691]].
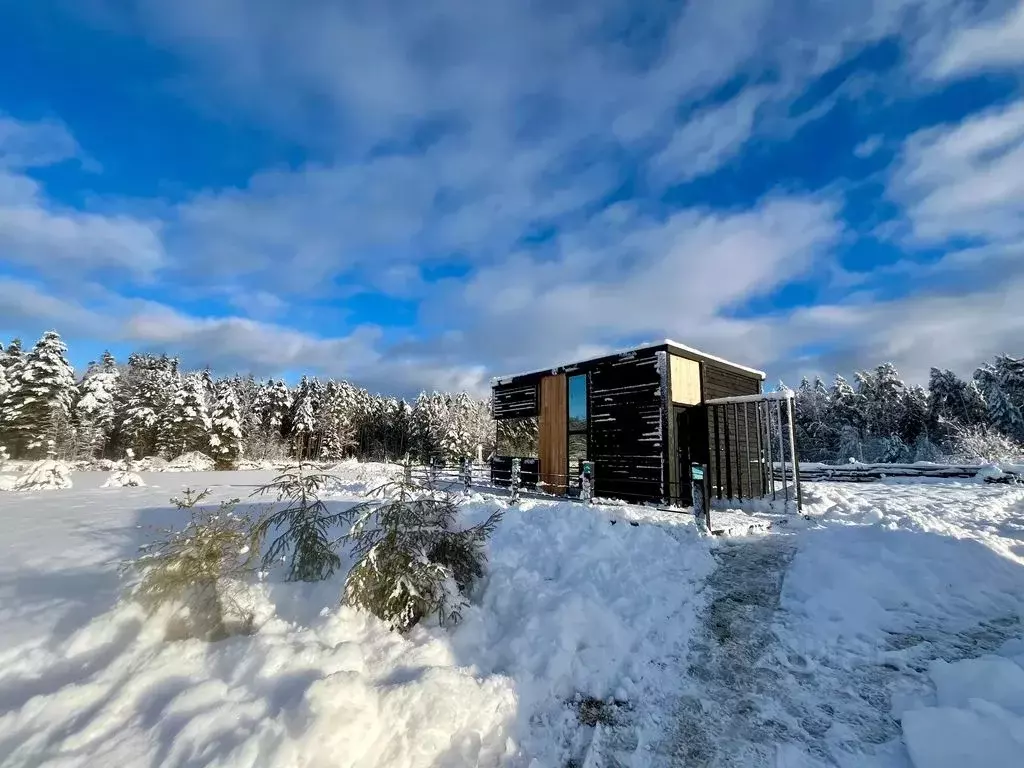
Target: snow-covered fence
[[867, 473]]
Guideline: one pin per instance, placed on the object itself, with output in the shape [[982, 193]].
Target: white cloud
[[869, 146], [35, 144], [630, 276], [995, 44], [51, 239], [456, 128], [709, 139], [966, 179]]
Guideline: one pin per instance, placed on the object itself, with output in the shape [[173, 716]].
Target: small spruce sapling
[[303, 525], [197, 569], [411, 561]]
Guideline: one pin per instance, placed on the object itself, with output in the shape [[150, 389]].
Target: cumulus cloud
[[494, 135]]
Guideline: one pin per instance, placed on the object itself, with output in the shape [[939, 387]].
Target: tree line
[[150, 405], [879, 418]]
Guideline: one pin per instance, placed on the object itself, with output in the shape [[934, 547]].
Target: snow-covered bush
[[190, 462], [982, 444], [197, 571], [123, 478], [303, 525], [412, 561], [45, 475]]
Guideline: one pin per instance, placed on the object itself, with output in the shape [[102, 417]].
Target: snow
[[86, 681], [884, 629]]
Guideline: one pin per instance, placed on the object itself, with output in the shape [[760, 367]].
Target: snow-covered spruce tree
[[304, 435], [225, 432], [847, 416], [185, 424], [147, 386], [37, 408], [334, 421], [997, 382], [303, 525], [411, 559], [953, 402], [94, 410], [271, 407], [198, 570], [816, 437]]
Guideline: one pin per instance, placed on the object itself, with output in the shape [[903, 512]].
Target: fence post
[[701, 501], [514, 486], [432, 472], [587, 481], [467, 474], [408, 470]]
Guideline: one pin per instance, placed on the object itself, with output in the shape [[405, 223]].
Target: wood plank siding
[[514, 401], [626, 428], [733, 473], [554, 428]]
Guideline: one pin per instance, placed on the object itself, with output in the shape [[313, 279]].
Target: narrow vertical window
[[577, 426]]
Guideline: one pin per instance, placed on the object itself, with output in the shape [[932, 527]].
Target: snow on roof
[[648, 345]]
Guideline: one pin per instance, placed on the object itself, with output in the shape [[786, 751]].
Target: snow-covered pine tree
[[456, 435], [148, 385], [953, 403], [847, 417], [226, 434], [816, 437], [94, 411], [185, 424], [12, 355], [914, 424], [303, 419], [334, 421], [247, 392], [999, 386], [37, 408]]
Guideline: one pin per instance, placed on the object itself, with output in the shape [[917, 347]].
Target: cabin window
[[577, 425]]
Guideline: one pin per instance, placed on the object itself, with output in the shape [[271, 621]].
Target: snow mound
[[7, 482], [190, 462], [978, 720], [124, 479], [45, 475]]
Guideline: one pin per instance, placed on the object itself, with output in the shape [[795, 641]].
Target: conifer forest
[[149, 404]]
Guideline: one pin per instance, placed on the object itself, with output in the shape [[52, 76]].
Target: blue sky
[[419, 195]]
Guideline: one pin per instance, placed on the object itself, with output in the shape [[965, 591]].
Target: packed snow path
[[814, 642]]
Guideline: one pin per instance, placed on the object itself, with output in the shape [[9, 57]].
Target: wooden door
[[554, 433]]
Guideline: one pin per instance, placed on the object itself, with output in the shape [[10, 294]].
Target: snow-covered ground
[[884, 631]]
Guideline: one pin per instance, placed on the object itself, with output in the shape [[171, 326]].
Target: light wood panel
[[685, 381], [553, 428]]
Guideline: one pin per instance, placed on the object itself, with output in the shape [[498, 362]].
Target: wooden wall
[[554, 427], [626, 428], [733, 470], [514, 401]]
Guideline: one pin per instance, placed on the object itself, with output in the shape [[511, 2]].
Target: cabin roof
[[672, 346]]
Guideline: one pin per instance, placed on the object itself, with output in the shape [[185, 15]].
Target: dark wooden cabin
[[642, 417]]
